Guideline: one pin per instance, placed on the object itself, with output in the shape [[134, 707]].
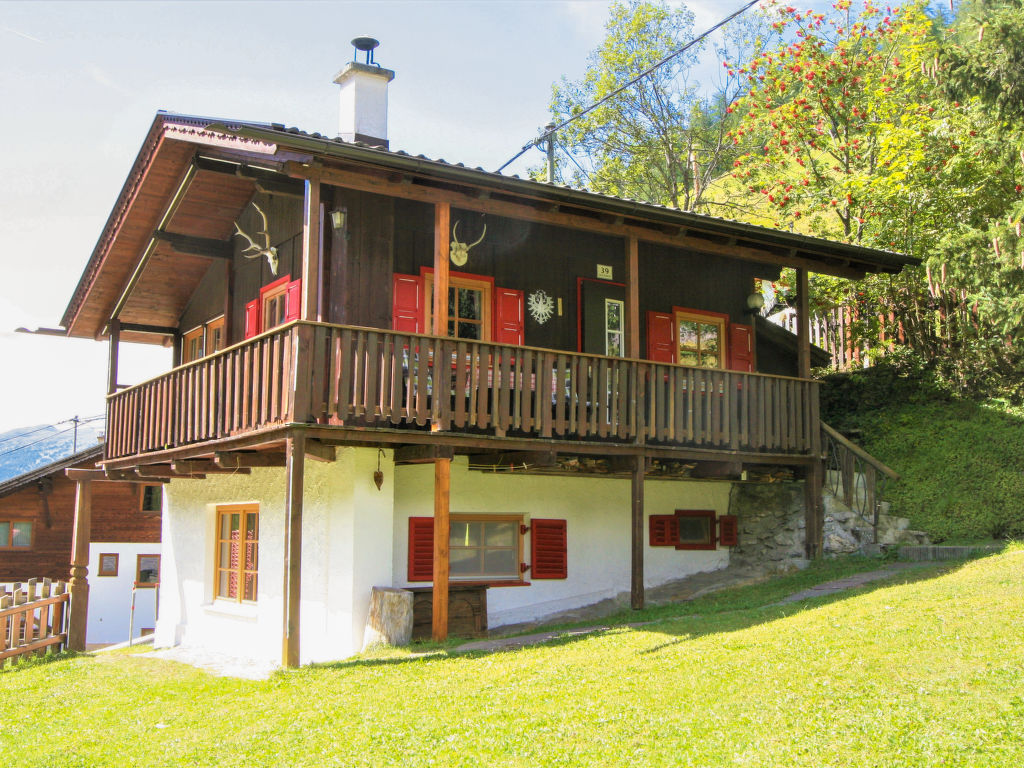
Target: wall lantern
[[754, 303], [339, 219]]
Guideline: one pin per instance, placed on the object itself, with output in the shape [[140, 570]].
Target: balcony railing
[[341, 375]]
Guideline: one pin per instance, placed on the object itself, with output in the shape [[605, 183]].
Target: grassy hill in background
[[961, 461]]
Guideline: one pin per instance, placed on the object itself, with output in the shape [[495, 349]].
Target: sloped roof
[[89, 456]]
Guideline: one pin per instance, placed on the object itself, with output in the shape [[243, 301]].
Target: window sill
[[508, 583], [248, 611]]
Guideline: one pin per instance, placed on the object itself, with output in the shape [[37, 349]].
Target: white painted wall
[[110, 597], [597, 514], [347, 539]]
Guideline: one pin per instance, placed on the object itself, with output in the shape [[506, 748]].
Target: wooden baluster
[[527, 385], [561, 374], [504, 391], [398, 377], [545, 392], [422, 377], [625, 369], [371, 389], [461, 383]]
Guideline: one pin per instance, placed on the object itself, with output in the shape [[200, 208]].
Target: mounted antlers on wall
[[459, 252], [255, 250]]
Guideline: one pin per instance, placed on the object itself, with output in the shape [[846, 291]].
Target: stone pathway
[[827, 588]]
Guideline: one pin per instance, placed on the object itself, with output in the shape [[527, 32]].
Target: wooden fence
[[833, 331], [343, 375], [33, 618]]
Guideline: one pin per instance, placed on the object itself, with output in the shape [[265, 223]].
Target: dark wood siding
[[208, 300], [115, 517], [361, 261]]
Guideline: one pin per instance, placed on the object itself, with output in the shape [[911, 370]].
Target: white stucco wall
[[347, 539], [597, 515], [110, 597]]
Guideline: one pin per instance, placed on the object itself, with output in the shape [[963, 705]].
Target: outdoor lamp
[[754, 303]]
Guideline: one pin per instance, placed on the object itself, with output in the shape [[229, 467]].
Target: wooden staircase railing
[[854, 475]]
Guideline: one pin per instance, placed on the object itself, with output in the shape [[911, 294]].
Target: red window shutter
[[741, 348], [661, 337], [407, 304], [421, 549], [664, 530], [728, 530], [508, 316], [549, 549], [252, 318], [293, 301]]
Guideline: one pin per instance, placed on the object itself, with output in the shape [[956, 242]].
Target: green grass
[[925, 671]]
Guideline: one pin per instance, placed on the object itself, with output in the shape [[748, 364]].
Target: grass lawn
[[926, 670]]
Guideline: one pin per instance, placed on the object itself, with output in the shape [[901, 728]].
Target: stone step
[[933, 552]]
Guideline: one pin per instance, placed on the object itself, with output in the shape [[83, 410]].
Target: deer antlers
[[255, 250], [460, 251]]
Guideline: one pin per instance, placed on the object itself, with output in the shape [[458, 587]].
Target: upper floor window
[[469, 307], [279, 302], [151, 498], [15, 534], [701, 339], [275, 306], [204, 340]]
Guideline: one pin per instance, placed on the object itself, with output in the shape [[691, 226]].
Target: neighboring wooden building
[[600, 370], [37, 511]]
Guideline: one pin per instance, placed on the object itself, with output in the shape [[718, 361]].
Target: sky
[[80, 83]]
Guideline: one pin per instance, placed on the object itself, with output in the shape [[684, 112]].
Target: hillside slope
[[27, 448]]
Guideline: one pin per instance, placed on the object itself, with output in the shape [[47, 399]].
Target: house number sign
[[604, 272]]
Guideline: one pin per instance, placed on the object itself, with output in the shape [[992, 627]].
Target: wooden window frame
[[712, 540], [138, 570], [467, 280], [142, 499], [101, 571], [9, 543], [240, 571], [270, 293], [680, 314], [497, 581], [204, 334]]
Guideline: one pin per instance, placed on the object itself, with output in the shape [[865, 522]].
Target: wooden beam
[[513, 459], [195, 246], [530, 210], [156, 330], [115, 344], [311, 247], [803, 328], [319, 451], [85, 474], [637, 592], [133, 476], [184, 468], [422, 454], [244, 459], [79, 584], [717, 469], [632, 297], [442, 499], [442, 247], [296, 454]]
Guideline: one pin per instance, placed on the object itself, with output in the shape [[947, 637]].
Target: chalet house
[[395, 371], [37, 512]]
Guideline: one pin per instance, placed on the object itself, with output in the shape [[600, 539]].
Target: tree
[[660, 140]]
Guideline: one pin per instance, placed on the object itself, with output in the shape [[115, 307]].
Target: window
[[613, 313], [489, 548], [147, 570], [484, 548], [701, 339], [275, 305], [15, 534], [469, 306], [238, 527], [693, 529], [151, 498], [204, 340], [108, 564]]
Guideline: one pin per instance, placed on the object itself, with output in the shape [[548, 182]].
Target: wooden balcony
[[375, 380]]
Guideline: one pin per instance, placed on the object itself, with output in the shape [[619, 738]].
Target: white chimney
[[364, 98]]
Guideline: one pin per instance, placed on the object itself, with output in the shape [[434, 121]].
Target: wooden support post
[[814, 511], [803, 329], [632, 297], [115, 343], [79, 586], [442, 245], [295, 451], [637, 533], [442, 489], [311, 273]]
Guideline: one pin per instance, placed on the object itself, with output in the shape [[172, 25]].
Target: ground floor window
[[108, 564], [15, 534], [238, 529], [147, 570], [485, 548]]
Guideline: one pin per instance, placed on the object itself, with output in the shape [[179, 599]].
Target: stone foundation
[[771, 521]]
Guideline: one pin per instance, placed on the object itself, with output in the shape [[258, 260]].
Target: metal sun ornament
[[541, 306]]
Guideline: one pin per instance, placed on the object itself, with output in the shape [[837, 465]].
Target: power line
[[50, 437], [574, 162], [632, 82], [47, 426]]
